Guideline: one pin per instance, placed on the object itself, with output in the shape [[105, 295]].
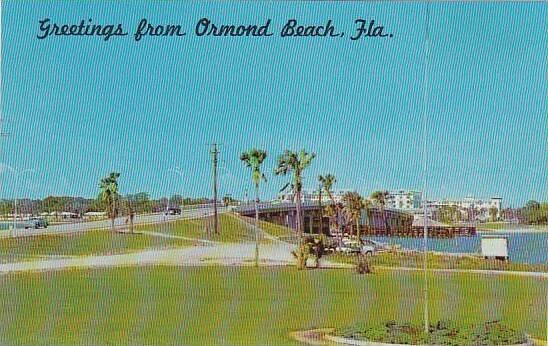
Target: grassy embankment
[[505, 226], [231, 229], [492, 226], [437, 261], [104, 242], [251, 306]]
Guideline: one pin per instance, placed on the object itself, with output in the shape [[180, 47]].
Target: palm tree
[[332, 215], [320, 206], [254, 159], [296, 163], [327, 182], [109, 195], [352, 207], [379, 198]]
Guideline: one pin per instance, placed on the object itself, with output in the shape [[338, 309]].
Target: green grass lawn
[[435, 261], [95, 242], [104, 242], [493, 225], [276, 230], [251, 306], [231, 229]]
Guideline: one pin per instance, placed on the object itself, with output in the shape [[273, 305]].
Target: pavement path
[[171, 236], [230, 254]]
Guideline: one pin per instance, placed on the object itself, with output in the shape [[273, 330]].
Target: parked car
[[368, 247], [375, 245], [35, 222], [349, 247], [173, 211]]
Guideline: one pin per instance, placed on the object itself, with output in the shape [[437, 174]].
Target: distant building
[[404, 199], [477, 207]]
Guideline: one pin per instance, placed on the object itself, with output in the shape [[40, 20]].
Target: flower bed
[[442, 333]]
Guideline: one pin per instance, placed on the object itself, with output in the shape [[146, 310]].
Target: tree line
[[142, 204]]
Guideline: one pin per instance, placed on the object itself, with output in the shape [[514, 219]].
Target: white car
[[350, 247], [368, 249], [377, 246]]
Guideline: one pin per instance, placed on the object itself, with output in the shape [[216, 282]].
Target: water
[[530, 247]]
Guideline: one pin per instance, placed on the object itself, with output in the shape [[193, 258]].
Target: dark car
[[173, 211], [36, 222]]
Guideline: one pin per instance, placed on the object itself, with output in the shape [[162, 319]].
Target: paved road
[[119, 222], [233, 254]]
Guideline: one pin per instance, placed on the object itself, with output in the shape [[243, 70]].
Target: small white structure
[[494, 246], [95, 215]]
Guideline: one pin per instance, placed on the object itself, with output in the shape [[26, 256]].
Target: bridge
[[285, 214], [373, 221]]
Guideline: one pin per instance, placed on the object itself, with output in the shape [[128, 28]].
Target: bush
[[362, 267], [441, 333], [301, 254], [317, 249], [311, 247]]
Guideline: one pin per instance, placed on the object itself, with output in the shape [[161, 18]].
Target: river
[[523, 247]]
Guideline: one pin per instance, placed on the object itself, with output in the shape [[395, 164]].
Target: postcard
[[273, 173]]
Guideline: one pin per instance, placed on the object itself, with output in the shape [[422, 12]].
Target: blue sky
[[79, 107]]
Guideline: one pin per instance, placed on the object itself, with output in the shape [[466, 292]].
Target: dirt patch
[[313, 336]]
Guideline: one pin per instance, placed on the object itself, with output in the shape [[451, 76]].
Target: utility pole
[[215, 157], [17, 174]]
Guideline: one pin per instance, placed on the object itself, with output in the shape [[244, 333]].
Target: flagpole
[[425, 167]]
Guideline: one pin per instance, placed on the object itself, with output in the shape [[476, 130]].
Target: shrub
[[440, 333], [362, 267], [317, 249], [301, 254], [311, 247]]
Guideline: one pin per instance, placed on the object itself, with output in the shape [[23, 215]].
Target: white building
[[480, 205], [404, 199]]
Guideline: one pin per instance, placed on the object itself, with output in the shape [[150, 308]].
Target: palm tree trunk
[[112, 215], [385, 220], [298, 209], [358, 232], [298, 221], [257, 226], [320, 231], [336, 218]]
